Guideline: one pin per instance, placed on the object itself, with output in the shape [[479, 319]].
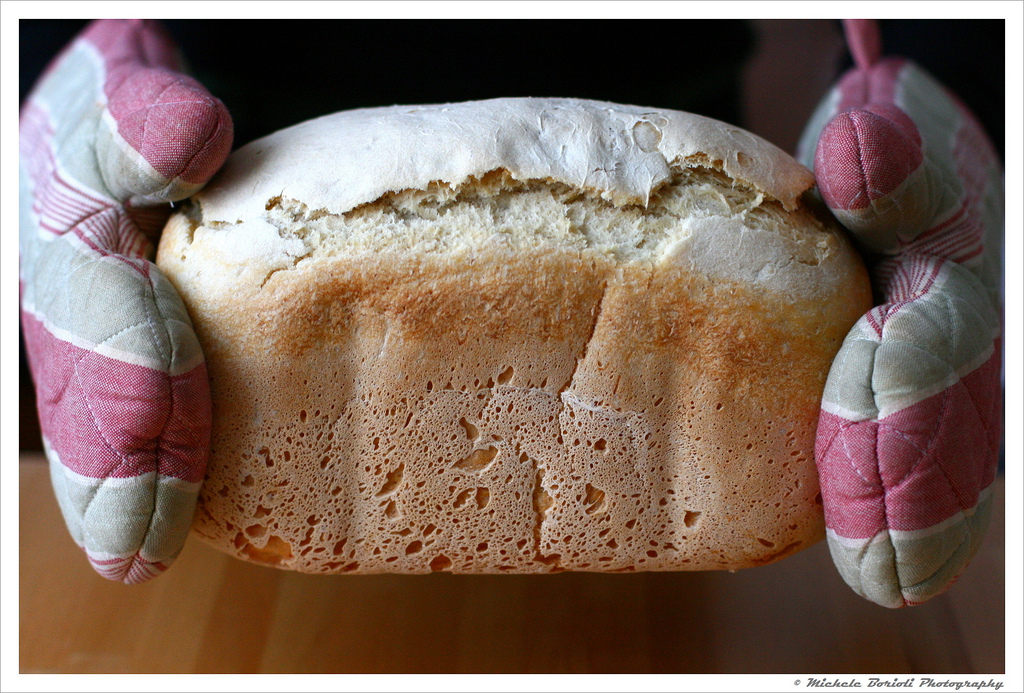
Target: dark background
[[765, 75], [272, 74]]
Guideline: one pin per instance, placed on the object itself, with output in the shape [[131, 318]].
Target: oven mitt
[[110, 135], [911, 420]]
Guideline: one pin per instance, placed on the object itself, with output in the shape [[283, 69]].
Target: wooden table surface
[[214, 614]]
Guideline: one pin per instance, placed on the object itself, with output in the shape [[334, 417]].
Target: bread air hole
[[392, 481], [274, 552], [462, 499], [594, 500], [478, 459], [440, 562], [472, 432]]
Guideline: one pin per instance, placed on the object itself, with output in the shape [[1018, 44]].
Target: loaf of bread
[[515, 335]]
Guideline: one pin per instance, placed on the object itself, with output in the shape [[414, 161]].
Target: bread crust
[[623, 153], [439, 372]]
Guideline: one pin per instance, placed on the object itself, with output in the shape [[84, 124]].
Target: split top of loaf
[[623, 153], [377, 180]]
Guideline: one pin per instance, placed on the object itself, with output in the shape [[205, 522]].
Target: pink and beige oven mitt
[[111, 133], [911, 420], [910, 423]]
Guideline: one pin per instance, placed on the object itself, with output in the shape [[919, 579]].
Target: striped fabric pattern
[[911, 423], [124, 406]]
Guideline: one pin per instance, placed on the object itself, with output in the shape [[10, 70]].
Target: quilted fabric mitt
[[911, 423], [111, 130]]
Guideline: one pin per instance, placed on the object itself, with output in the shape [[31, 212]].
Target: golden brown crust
[[516, 376]]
